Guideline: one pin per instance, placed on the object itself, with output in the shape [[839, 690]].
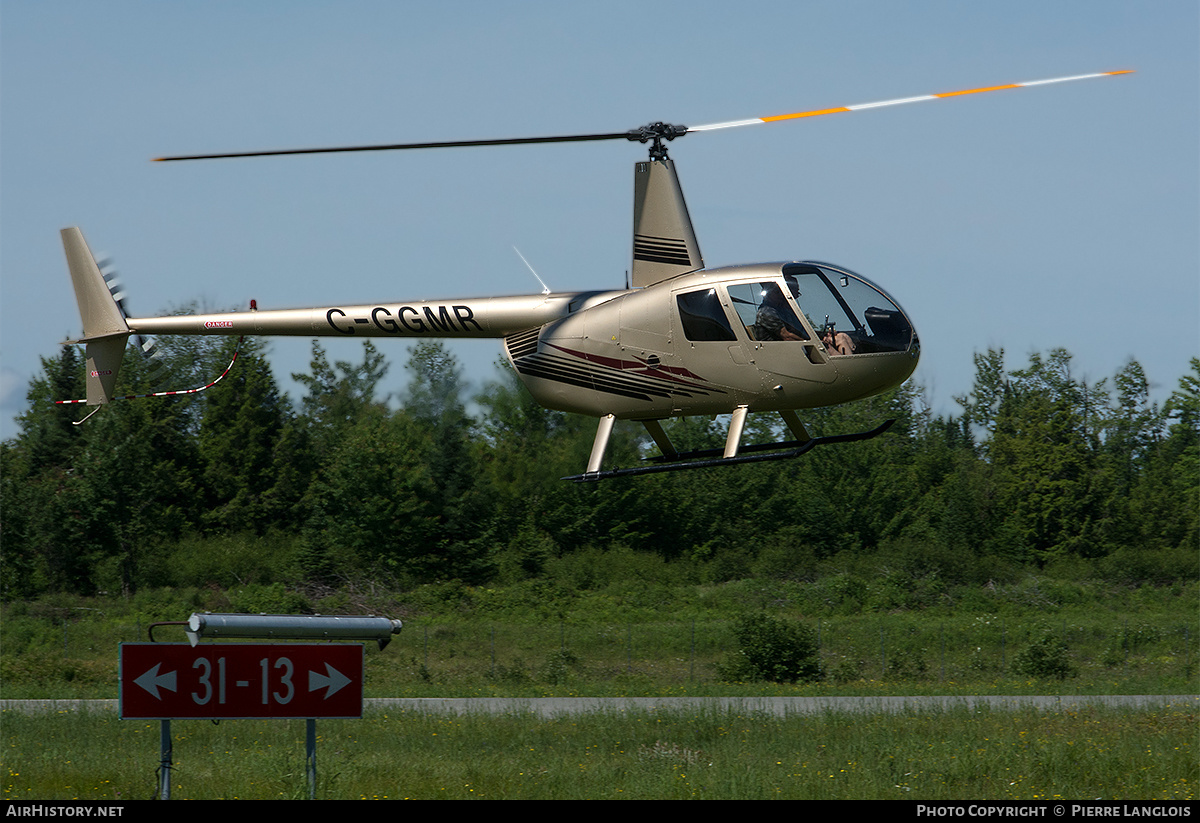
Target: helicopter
[[679, 340]]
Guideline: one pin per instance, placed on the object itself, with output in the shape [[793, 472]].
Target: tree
[[96, 506], [983, 401], [1047, 657], [373, 506], [338, 395], [34, 466], [242, 424], [434, 402], [48, 436], [775, 650], [1044, 467], [1183, 409], [524, 452], [1164, 505]]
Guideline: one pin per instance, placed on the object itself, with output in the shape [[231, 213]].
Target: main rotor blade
[[655, 132], [570, 138], [818, 112]]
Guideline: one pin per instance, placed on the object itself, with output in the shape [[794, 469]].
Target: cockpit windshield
[[849, 314]]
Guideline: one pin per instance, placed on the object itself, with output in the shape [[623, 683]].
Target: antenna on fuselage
[[545, 288]]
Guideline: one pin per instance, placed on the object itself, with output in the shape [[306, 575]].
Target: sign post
[[251, 680], [164, 681]]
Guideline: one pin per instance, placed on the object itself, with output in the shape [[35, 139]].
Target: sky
[[1065, 216]]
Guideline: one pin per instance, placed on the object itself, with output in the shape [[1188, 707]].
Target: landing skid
[[708, 458]]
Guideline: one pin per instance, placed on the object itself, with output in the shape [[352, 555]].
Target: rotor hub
[[656, 133]]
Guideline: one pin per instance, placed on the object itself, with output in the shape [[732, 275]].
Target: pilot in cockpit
[[769, 323], [837, 342]]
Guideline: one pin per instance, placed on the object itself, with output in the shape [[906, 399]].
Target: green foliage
[[240, 436], [538, 599], [907, 663], [846, 669], [373, 504], [1039, 470], [643, 754], [228, 560], [768, 648], [1046, 658], [48, 669], [273, 598], [435, 402], [1042, 458], [47, 435], [338, 395], [644, 637], [557, 667], [526, 554]]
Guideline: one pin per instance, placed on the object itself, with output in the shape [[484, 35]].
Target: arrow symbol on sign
[[151, 680], [333, 680]]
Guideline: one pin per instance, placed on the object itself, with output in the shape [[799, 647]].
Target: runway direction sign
[[164, 681]]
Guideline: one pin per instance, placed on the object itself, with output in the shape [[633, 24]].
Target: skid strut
[[709, 458]]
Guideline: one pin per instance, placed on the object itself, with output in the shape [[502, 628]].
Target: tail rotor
[[157, 369], [105, 330]]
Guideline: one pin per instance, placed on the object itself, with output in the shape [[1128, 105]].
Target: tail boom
[[487, 317]]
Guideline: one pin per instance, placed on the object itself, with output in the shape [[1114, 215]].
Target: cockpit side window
[[765, 312], [702, 317]]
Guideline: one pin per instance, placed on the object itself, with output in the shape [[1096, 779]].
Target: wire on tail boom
[[236, 351]]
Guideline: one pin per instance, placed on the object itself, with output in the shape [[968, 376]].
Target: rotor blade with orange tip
[[818, 112], [656, 132]]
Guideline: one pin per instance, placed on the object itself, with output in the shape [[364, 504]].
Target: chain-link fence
[[879, 647]]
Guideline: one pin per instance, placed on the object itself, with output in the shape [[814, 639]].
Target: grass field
[[1141, 643], [942, 755], [643, 639]]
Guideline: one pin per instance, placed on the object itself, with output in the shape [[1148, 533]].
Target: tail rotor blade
[[112, 279], [157, 369]]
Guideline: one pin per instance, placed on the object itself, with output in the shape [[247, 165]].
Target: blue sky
[[1065, 216]]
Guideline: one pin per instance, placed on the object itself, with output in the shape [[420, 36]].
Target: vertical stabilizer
[[664, 244], [105, 331], [103, 357]]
